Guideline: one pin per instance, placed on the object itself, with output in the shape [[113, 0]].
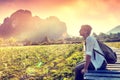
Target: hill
[[115, 30], [22, 25]]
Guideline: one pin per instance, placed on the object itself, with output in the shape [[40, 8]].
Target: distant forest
[[112, 37], [69, 40]]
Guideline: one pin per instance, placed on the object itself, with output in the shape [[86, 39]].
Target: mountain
[[22, 25], [115, 30]]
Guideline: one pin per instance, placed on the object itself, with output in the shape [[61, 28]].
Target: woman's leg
[[78, 68], [78, 74]]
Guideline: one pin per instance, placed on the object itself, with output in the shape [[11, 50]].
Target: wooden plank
[[118, 59], [113, 68], [102, 75], [101, 78], [117, 66], [117, 63], [113, 64], [104, 71], [98, 76]]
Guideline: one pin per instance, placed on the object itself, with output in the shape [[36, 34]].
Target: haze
[[102, 15]]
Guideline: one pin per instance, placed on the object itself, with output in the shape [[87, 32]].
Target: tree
[[102, 36], [11, 41], [95, 35]]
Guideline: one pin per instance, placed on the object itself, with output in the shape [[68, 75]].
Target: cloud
[[41, 2]]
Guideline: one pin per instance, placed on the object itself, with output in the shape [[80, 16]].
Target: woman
[[93, 61]]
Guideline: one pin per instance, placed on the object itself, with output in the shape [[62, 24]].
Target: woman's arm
[[87, 62]]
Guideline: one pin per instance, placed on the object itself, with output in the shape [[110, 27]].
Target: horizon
[[102, 15]]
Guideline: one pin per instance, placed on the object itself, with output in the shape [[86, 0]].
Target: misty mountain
[[22, 25], [115, 30]]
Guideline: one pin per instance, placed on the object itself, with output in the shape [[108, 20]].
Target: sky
[[102, 15]]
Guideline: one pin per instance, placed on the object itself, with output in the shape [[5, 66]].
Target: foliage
[[8, 42], [46, 62]]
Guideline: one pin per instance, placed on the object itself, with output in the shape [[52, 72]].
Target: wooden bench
[[111, 73], [102, 75]]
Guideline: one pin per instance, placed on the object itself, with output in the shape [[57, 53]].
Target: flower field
[[45, 62]]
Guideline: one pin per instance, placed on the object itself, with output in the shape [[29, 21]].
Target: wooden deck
[[112, 72]]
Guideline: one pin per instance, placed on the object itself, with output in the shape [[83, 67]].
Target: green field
[[45, 62]]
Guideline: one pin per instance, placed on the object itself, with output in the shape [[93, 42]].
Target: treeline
[[70, 40], [46, 41], [112, 37], [8, 42]]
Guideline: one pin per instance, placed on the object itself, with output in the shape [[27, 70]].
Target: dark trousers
[[79, 67]]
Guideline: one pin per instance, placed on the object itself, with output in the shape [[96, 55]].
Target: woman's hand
[[84, 71]]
